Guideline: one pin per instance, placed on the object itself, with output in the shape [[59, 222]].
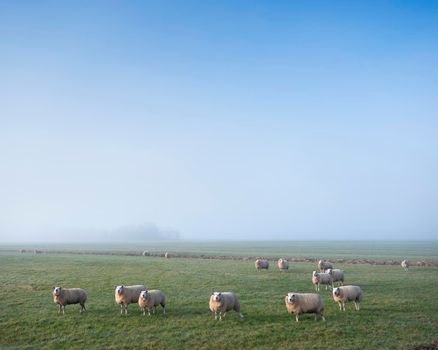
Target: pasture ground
[[399, 311]]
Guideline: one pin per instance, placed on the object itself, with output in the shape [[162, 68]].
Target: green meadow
[[399, 310]]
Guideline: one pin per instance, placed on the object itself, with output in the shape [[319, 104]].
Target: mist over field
[[133, 233]]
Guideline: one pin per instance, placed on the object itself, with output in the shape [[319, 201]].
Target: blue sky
[[226, 120]]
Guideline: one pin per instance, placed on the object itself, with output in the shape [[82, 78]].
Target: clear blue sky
[[223, 120]]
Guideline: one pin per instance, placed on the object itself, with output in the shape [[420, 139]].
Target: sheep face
[[57, 291], [291, 298], [144, 295], [120, 289], [217, 296], [337, 292]]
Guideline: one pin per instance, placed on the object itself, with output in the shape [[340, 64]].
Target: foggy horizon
[[218, 121]]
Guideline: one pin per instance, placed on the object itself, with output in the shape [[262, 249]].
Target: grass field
[[400, 309]]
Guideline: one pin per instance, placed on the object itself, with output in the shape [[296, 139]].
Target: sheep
[[261, 264], [22, 251], [319, 278], [348, 293], [126, 295], [283, 264], [337, 275], [67, 296], [301, 303], [324, 265], [167, 255], [405, 264], [149, 299], [221, 302], [145, 253]]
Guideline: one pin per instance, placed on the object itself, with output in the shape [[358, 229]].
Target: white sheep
[[261, 264], [301, 303], [68, 296], [150, 299], [283, 264], [348, 293], [324, 265], [405, 264], [222, 302], [337, 275], [319, 278], [126, 295]]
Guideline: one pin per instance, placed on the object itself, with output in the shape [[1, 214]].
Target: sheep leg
[[343, 305], [60, 308], [340, 305], [121, 309], [63, 309], [296, 317], [357, 305], [126, 309], [164, 309]]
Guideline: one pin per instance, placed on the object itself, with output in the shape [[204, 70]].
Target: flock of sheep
[[222, 302], [300, 303]]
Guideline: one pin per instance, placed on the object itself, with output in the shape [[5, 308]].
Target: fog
[[138, 123]]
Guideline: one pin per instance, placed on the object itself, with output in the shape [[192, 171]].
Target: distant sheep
[[150, 299], [405, 264], [348, 293], [37, 251], [22, 251], [324, 265], [68, 296], [301, 303], [283, 264], [222, 302], [126, 295], [337, 275], [167, 255], [145, 253], [261, 264], [319, 278]]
